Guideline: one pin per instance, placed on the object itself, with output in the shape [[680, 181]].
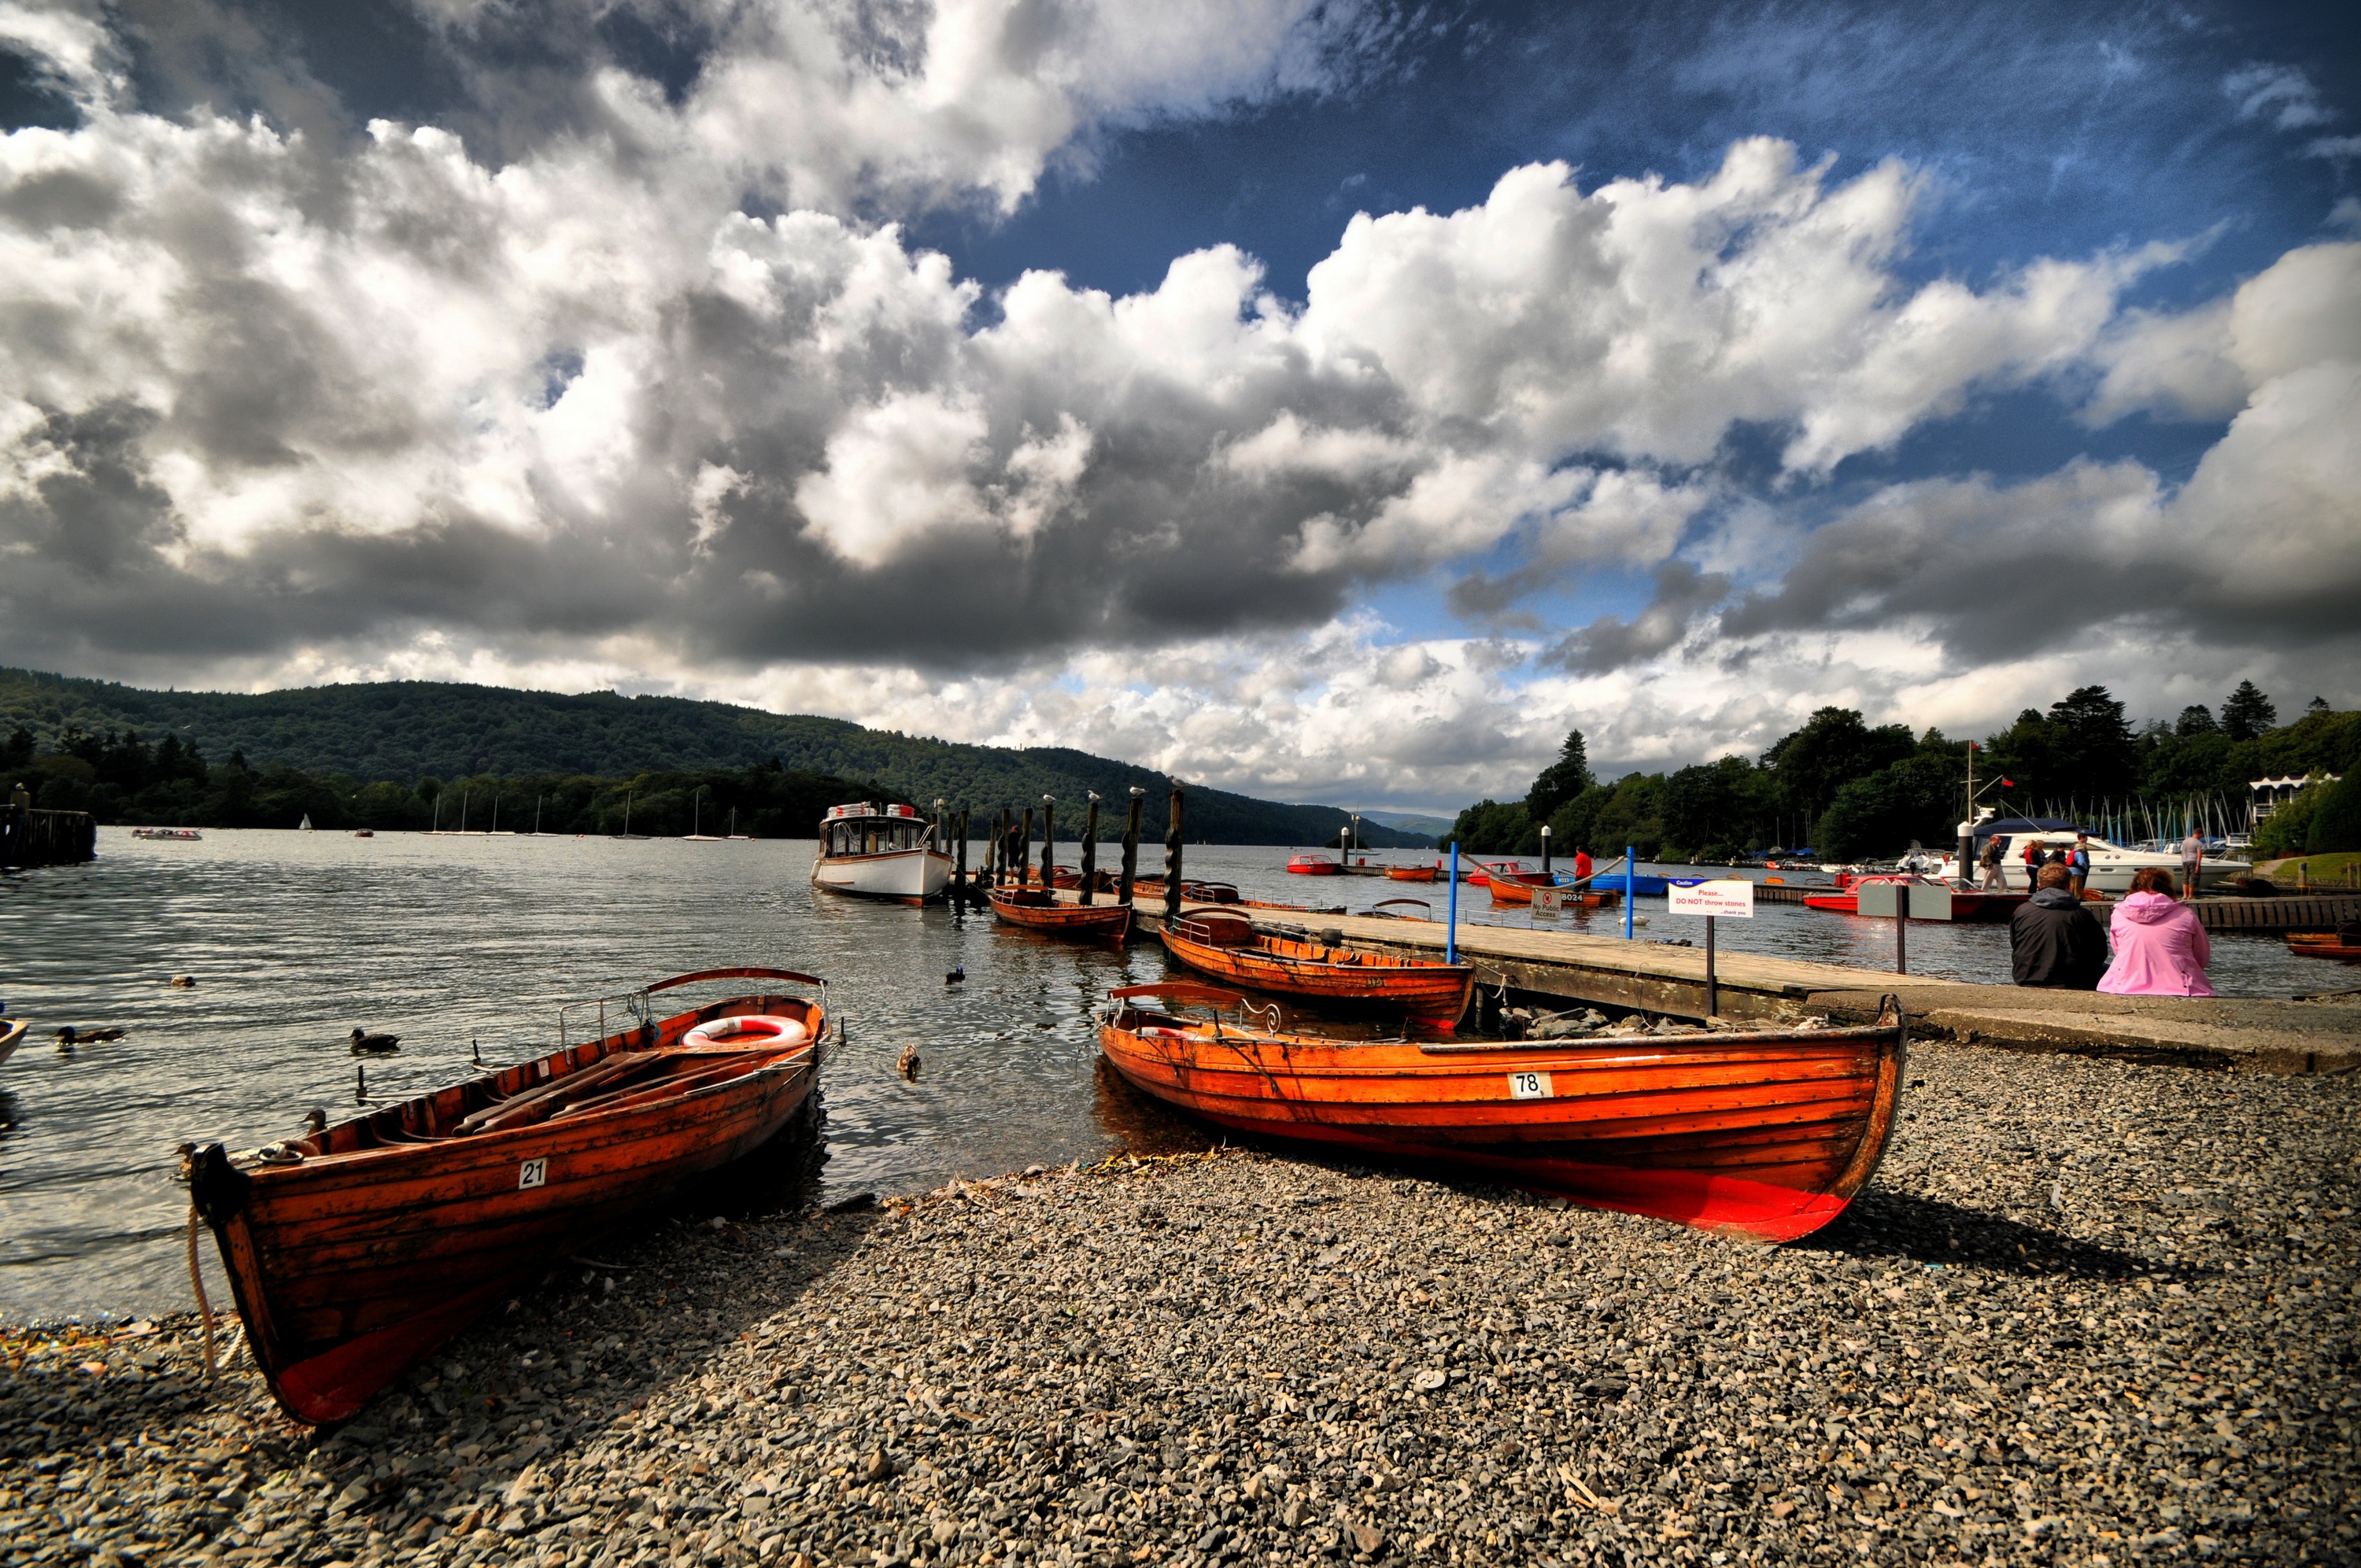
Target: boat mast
[[536, 816]]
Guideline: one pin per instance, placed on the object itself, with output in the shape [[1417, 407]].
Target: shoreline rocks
[[2086, 1312]]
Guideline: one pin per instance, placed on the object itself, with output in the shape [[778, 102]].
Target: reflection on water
[[295, 940]]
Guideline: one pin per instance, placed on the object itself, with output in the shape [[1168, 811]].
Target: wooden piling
[[1024, 851], [1090, 846], [1130, 847], [1048, 840], [959, 860], [1172, 860]]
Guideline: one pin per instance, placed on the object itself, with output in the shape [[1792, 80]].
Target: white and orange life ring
[[748, 1029]]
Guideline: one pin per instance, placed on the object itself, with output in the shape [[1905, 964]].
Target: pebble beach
[[2088, 1312]]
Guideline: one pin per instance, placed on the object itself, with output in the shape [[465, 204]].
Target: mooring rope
[[197, 1283]]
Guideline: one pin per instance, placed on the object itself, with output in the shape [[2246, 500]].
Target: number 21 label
[[531, 1173], [1529, 1086]]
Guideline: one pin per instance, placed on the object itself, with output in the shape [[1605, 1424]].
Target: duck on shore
[[368, 1045]]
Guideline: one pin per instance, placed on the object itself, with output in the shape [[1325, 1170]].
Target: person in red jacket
[[1581, 865]]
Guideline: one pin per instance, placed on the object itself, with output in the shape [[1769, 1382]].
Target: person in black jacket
[[2053, 940]]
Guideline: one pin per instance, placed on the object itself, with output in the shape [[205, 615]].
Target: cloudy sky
[[1336, 401]]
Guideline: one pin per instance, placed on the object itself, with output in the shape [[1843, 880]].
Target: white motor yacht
[[2112, 865], [872, 851]]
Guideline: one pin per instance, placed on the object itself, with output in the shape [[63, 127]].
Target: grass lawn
[[2324, 869]]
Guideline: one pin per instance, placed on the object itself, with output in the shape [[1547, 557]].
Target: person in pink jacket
[[2161, 946]]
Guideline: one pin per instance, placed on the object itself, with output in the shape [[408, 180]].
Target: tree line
[[1849, 789]]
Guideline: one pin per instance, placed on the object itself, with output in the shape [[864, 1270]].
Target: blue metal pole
[[1451, 931], [1630, 882]]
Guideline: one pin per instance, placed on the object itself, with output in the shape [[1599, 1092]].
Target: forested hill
[[407, 730]]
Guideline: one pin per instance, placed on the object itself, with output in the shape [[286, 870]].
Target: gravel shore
[[2088, 1314]]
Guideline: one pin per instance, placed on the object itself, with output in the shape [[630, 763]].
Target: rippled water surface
[[296, 939]]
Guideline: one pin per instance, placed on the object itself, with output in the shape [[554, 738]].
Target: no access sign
[[1733, 897]]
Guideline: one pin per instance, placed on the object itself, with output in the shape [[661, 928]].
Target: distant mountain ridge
[[403, 730]]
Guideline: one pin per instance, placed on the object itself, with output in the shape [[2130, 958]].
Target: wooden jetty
[[30, 838]]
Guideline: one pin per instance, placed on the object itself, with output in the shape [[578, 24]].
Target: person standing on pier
[[2078, 862], [2032, 864], [1581, 866], [1990, 861], [2192, 861], [2052, 940]]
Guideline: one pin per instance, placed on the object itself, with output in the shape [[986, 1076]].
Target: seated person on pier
[[2053, 940]]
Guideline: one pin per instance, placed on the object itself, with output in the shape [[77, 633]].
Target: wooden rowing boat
[[1762, 1134], [1038, 910], [358, 1249], [1291, 964], [2325, 945], [1413, 874], [12, 1033]]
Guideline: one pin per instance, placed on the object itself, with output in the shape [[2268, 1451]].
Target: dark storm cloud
[[1610, 643]]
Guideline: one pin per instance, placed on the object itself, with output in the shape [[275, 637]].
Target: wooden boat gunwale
[[1427, 988], [2322, 945]]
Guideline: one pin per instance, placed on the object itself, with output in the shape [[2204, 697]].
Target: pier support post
[[1172, 860], [1048, 842], [1451, 923], [1712, 993], [1544, 849], [1130, 847], [959, 858], [1089, 845], [1902, 928], [1024, 848], [1631, 885]]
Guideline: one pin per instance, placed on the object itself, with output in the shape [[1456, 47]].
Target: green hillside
[[404, 731]]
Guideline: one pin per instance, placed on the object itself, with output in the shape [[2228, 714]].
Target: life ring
[[747, 1029]]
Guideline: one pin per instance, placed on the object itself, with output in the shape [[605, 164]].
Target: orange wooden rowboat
[[2324, 945], [1767, 1135], [1038, 910], [1229, 946], [357, 1250], [1413, 874]]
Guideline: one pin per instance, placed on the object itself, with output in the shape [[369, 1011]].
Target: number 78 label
[[1529, 1086]]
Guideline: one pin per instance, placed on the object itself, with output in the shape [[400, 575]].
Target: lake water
[[296, 939]]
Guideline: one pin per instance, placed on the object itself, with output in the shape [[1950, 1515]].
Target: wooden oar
[[571, 1083]]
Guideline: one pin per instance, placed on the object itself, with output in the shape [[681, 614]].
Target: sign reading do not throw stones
[[1731, 897]]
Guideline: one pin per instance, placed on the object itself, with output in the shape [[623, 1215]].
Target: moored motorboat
[[360, 1248], [1293, 963], [1766, 1135], [176, 834], [1036, 910], [1966, 903], [871, 852], [1314, 865]]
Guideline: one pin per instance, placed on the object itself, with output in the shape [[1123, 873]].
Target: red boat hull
[[1766, 1136], [1304, 865], [394, 1231]]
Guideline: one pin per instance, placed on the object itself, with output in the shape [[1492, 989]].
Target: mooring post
[[1049, 841], [1544, 849], [1131, 846], [1024, 851], [1451, 926], [959, 858], [1089, 845], [1172, 860]]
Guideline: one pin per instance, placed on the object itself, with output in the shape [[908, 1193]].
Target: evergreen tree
[[1561, 780], [2317, 704], [2247, 713], [2195, 720], [2097, 759]]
